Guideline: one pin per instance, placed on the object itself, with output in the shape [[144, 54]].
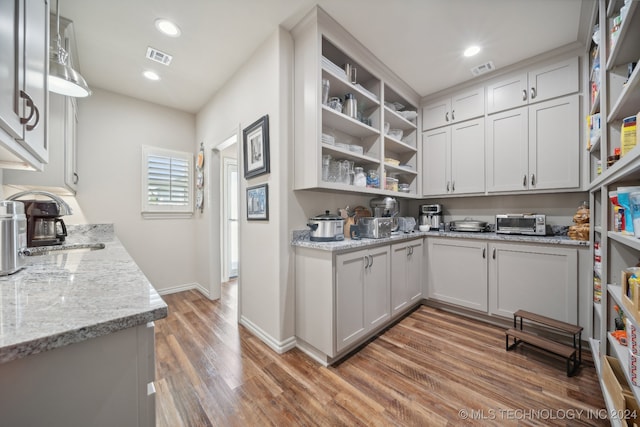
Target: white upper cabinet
[[535, 147], [539, 84], [23, 83], [459, 107], [453, 159]]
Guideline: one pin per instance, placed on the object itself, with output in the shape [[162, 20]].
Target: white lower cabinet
[[362, 293], [343, 299], [457, 272], [102, 382], [407, 265], [543, 280], [501, 278]]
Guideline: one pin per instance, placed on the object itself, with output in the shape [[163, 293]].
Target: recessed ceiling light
[[151, 75], [471, 51], [167, 27]]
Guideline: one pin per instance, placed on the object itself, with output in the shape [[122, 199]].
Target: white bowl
[[424, 227]]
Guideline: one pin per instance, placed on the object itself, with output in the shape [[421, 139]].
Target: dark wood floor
[[431, 369]]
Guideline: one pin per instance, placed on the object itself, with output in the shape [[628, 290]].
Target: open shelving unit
[[322, 50], [618, 97]]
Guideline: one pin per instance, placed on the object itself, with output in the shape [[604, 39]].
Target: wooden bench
[[572, 354]]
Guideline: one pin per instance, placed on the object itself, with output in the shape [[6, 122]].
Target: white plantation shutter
[[167, 181]]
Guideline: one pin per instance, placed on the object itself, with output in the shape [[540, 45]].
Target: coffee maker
[[431, 215], [44, 225]]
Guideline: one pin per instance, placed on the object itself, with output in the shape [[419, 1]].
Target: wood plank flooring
[[431, 369]]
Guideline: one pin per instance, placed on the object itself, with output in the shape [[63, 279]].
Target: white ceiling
[[420, 40]]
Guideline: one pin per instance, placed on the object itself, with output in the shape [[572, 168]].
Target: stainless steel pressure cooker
[[326, 228]]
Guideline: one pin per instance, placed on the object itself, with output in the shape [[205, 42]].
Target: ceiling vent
[[483, 68], [157, 56]]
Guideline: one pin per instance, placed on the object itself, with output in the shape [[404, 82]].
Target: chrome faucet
[[64, 207]]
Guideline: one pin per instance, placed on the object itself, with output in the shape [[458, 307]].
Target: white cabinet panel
[[457, 272], [553, 80], [362, 293], [507, 150], [435, 161], [377, 292], [406, 274], [554, 144], [538, 84], [23, 83], [508, 93], [350, 290], [535, 147], [453, 159], [457, 108], [543, 280], [467, 157]]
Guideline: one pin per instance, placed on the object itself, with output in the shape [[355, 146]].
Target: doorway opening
[[230, 217]]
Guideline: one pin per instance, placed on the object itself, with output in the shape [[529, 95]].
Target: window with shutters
[[167, 184]]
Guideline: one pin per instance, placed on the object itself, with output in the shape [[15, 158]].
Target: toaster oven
[[375, 227], [530, 224]]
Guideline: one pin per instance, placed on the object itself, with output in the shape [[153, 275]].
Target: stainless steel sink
[[63, 249]]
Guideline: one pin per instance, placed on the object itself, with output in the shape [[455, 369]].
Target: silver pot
[[326, 228]]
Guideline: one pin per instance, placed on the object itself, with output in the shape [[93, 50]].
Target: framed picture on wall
[[256, 148], [258, 203]]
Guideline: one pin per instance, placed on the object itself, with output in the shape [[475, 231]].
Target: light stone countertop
[[63, 298], [300, 238]]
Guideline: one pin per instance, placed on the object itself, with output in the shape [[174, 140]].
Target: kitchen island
[[76, 336]]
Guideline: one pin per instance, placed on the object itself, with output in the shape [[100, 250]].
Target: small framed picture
[[258, 203], [256, 148]]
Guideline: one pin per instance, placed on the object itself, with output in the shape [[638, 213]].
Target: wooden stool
[[519, 335]]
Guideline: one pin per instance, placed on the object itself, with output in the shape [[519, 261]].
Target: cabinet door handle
[[533, 180], [366, 260], [484, 253], [533, 92], [524, 94], [75, 178], [494, 253], [453, 114], [371, 263], [447, 186], [30, 105], [453, 186], [524, 180], [33, 126], [446, 116]]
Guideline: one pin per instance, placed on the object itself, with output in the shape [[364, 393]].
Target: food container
[[326, 228], [392, 184], [403, 188]]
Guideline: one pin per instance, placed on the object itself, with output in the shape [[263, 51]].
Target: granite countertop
[[64, 297], [300, 238]]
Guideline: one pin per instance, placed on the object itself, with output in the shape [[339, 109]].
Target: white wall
[[559, 207], [259, 87], [112, 128]]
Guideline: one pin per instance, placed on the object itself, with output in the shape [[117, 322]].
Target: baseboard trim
[[184, 287], [279, 347]]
